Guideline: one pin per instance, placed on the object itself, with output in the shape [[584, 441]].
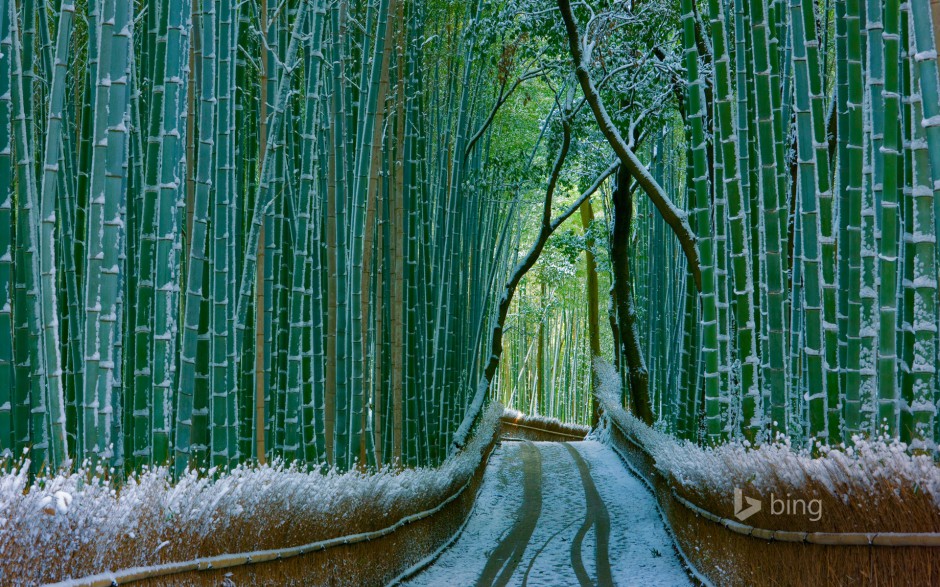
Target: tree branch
[[500, 100], [674, 217], [548, 227]]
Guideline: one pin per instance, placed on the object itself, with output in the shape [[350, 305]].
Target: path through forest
[[553, 514]]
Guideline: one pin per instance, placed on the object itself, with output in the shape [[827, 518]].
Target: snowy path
[[584, 520]]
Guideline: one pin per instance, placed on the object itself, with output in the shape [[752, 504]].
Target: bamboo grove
[[235, 231], [546, 367], [807, 144]]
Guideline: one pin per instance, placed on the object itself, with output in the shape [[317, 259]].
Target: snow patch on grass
[[875, 485], [75, 524]]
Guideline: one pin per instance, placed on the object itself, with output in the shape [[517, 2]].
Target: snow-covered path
[[559, 514]]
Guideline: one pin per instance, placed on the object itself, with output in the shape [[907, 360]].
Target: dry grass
[[150, 520], [364, 564], [850, 498], [875, 487], [727, 558]]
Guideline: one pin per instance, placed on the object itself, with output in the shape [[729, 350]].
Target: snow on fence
[[870, 468], [534, 427], [76, 527], [875, 494]]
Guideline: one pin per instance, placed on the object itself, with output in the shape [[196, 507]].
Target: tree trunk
[[540, 359], [496, 337], [626, 312], [674, 217], [590, 265]]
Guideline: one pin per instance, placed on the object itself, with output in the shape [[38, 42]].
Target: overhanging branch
[[674, 217]]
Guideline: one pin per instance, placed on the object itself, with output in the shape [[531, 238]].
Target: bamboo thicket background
[[805, 146], [231, 232], [235, 231]]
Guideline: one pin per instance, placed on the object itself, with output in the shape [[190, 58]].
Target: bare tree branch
[[674, 217], [500, 100], [545, 231]]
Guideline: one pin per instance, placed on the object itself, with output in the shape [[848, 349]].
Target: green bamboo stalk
[[262, 194], [872, 172], [780, 104], [32, 300], [21, 333], [836, 413], [146, 262], [739, 251], [96, 403], [7, 370], [818, 102], [170, 195], [340, 441], [773, 202], [746, 157], [909, 249], [888, 408], [72, 323], [851, 205], [220, 384], [239, 403], [700, 195], [812, 188], [418, 426], [797, 408], [113, 222], [198, 253], [918, 426], [925, 57], [303, 226], [47, 244]]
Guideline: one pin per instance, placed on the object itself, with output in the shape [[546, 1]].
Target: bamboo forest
[[469, 292]]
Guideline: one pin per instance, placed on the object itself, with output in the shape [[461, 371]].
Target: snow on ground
[[562, 513], [492, 517], [640, 550]]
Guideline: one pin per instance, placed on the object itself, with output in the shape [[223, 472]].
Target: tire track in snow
[[598, 517], [525, 578], [505, 558], [640, 549]]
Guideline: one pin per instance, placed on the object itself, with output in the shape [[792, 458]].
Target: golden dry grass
[[729, 558], [363, 564], [151, 521], [871, 487]]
